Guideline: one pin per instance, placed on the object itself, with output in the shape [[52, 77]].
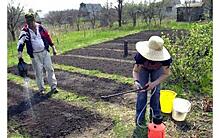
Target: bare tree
[[151, 11], [78, 21], [161, 7], [132, 10], [105, 15], [14, 15], [111, 15], [119, 9], [148, 11], [55, 17], [94, 16]]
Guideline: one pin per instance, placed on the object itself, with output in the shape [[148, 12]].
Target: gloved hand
[[137, 84], [54, 50], [19, 54]]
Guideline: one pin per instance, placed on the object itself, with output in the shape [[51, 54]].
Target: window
[[168, 9]]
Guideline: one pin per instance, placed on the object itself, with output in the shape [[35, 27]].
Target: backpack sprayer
[[156, 128]]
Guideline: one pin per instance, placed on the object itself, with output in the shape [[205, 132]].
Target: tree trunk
[[134, 20], [119, 13], [119, 18], [13, 35], [160, 20]]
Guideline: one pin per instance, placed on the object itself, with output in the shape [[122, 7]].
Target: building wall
[[196, 13]]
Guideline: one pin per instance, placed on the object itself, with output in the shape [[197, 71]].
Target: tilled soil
[[108, 66], [107, 53], [92, 87], [111, 67], [42, 117], [114, 45], [145, 35]]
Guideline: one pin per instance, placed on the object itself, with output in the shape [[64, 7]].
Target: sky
[[57, 5]]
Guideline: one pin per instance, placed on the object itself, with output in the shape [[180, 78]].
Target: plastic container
[[156, 130], [166, 100], [180, 109]]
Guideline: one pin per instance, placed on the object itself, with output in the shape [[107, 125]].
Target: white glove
[[137, 84]]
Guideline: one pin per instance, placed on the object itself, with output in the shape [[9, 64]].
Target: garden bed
[[40, 116]]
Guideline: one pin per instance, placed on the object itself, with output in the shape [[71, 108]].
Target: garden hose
[[155, 88]]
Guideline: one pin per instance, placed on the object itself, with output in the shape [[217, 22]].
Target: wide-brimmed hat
[[153, 49]]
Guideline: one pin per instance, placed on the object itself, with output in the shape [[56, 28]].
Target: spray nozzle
[[158, 119]]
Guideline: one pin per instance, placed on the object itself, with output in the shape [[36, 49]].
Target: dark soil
[[145, 35], [103, 53], [114, 45], [111, 67], [92, 87], [48, 118]]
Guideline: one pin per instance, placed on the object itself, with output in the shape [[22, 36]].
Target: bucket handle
[[189, 108]]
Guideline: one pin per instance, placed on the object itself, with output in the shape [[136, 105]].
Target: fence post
[[125, 48]]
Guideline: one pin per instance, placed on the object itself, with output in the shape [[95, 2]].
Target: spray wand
[[122, 93]]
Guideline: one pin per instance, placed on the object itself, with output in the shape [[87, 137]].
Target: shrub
[[192, 59]]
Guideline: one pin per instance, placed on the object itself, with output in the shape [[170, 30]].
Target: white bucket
[[180, 109]]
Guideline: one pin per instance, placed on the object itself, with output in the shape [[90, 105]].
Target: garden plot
[[103, 52], [145, 35], [115, 49], [92, 87], [115, 46], [111, 66], [39, 116]]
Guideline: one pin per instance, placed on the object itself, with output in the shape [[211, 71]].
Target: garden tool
[[156, 128], [122, 93]]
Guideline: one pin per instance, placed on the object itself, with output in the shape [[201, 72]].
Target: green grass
[[66, 41], [96, 73], [13, 133]]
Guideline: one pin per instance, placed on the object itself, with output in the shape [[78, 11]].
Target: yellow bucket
[[166, 100]]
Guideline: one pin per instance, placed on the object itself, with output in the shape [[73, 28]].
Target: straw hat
[[153, 49]]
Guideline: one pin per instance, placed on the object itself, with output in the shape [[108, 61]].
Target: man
[[37, 41], [151, 68]]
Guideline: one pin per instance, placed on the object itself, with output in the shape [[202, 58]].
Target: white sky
[[53, 5]]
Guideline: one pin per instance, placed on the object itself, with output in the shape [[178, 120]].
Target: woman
[[151, 68]]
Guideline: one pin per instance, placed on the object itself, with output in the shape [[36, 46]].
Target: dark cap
[[29, 17]]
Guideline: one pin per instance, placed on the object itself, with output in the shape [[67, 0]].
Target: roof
[[197, 4], [91, 7], [173, 2]]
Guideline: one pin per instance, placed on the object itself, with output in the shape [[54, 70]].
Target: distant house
[[190, 12], [88, 11], [170, 9]]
